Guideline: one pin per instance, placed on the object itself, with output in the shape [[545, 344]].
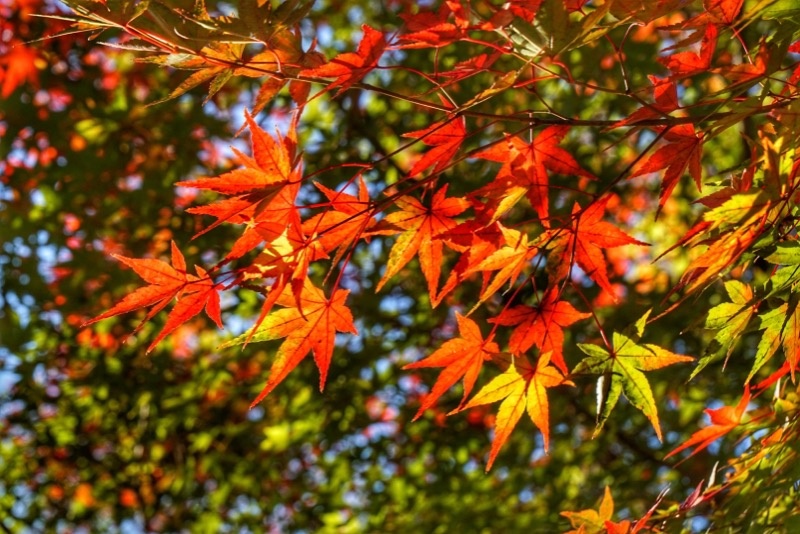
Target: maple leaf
[[476, 240], [585, 240], [312, 329], [284, 55], [688, 63], [735, 222], [731, 319], [215, 63], [165, 283], [446, 138], [665, 94], [285, 260], [748, 72], [509, 260], [723, 420], [429, 29], [270, 174], [522, 387], [738, 221], [346, 218], [781, 328], [592, 521], [423, 233], [264, 221], [524, 9], [621, 369], [350, 68], [722, 11], [627, 526], [790, 336], [469, 67], [683, 150], [541, 326], [17, 66], [524, 170], [461, 357]]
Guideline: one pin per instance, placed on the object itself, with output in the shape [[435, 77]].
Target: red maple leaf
[[584, 241], [423, 234], [446, 138], [165, 283], [350, 67], [723, 420], [17, 66], [469, 67], [524, 9], [312, 329], [524, 170], [461, 357], [429, 29], [683, 150], [747, 72], [665, 94], [541, 326], [722, 11], [688, 63]]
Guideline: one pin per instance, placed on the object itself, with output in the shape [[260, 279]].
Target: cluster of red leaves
[[263, 197]]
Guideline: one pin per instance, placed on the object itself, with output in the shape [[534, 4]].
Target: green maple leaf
[[621, 371], [731, 319]]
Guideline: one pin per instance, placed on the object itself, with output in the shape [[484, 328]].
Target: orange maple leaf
[[720, 255], [524, 170], [509, 260], [165, 283], [423, 233], [263, 220], [461, 357], [476, 240], [272, 174], [737, 218], [683, 150], [585, 240], [344, 220], [723, 420], [521, 387], [350, 68], [586, 521], [312, 329], [284, 260], [541, 326]]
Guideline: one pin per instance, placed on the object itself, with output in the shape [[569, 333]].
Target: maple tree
[[580, 210]]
